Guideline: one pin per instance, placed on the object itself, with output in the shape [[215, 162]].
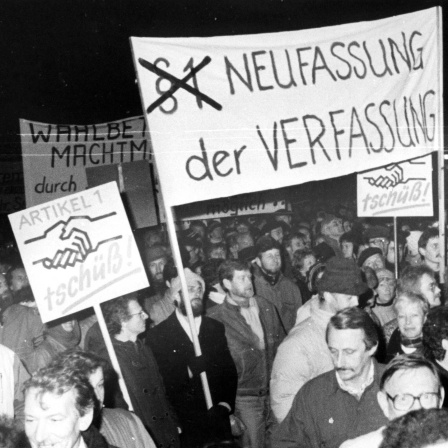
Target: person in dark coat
[[125, 320], [435, 343], [172, 345]]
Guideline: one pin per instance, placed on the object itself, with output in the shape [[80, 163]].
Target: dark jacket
[[394, 346], [146, 390], [174, 353], [284, 295], [253, 365], [324, 415]]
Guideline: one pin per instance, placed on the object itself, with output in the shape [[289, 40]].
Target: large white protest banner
[[399, 189], [55, 156], [235, 114], [78, 251]]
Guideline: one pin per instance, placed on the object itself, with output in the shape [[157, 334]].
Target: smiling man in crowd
[[57, 409]]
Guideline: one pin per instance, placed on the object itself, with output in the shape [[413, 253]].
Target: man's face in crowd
[[242, 227], [339, 301], [415, 382], [194, 253], [310, 260], [156, 269], [296, 244], [241, 284], [137, 322], [19, 279], [386, 286], [96, 379], [285, 218], [195, 293], [216, 234], [391, 252], [430, 290], [410, 318], [198, 230], [375, 262], [218, 253], [432, 250], [277, 234], [334, 228], [52, 420], [3, 284], [380, 242], [245, 240], [347, 249], [271, 261], [152, 238], [349, 353], [304, 231]]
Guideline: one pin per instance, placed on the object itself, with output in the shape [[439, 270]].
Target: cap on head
[[342, 276], [155, 252], [377, 232], [367, 253]]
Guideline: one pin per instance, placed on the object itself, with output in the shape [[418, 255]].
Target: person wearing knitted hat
[[155, 260], [378, 236], [304, 354], [172, 344], [372, 257], [272, 284]]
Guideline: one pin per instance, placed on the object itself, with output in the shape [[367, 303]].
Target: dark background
[[70, 62]]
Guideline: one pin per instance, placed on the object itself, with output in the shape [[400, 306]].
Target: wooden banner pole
[[186, 299]]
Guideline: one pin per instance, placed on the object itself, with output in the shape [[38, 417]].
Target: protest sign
[[399, 189], [235, 114], [78, 251], [55, 156], [12, 197], [135, 180], [246, 204]]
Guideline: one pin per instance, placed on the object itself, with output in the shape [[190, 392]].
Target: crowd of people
[[314, 331]]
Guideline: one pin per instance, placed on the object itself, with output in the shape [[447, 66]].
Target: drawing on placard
[[393, 175], [68, 242]]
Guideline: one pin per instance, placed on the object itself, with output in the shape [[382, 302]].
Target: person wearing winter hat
[[275, 229], [378, 236], [304, 354], [172, 344], [155, 260], [371, 257], [272, 284]]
